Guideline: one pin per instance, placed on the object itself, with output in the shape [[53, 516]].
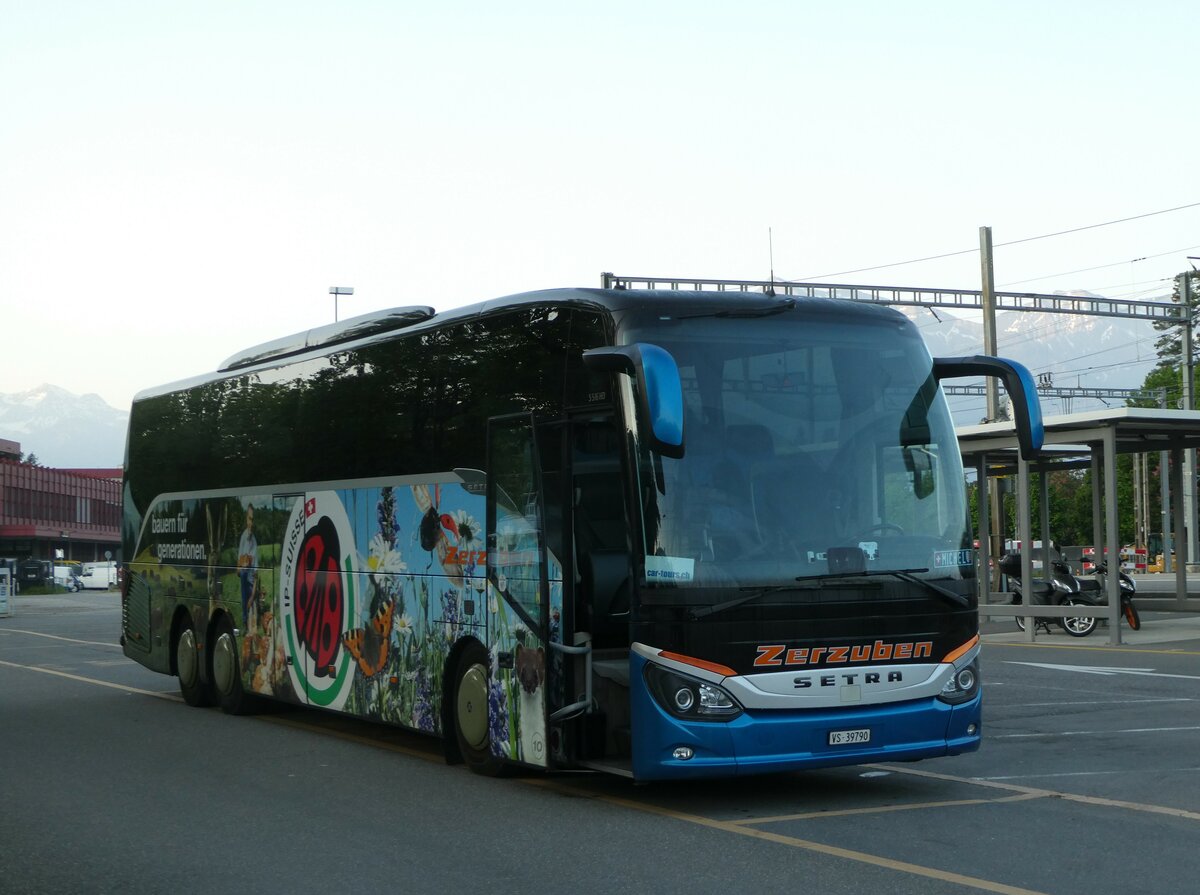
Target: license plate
[[848, 737]]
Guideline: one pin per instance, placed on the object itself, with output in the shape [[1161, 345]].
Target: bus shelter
[[1078, 440]]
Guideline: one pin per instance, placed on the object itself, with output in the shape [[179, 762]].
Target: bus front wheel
[[472, 726]]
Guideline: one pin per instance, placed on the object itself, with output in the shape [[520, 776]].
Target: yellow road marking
[[834, 851], [1034, 791], [884, 809]]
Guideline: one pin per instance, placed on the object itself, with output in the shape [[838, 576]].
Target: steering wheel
[[881, 528]]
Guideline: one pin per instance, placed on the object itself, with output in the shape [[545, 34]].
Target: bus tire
[[227, 671], [472, 728], [188, 664]]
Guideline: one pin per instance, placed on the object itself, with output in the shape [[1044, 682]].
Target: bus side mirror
[[919, 463], [1018, 382], [660, 393]]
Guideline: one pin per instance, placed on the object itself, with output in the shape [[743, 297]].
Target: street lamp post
[[335, 291]]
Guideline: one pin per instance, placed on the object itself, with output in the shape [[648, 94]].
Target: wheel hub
[[472, 707], [187, 660], [225, 663]]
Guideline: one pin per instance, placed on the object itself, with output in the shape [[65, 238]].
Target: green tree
[[1169, 345]]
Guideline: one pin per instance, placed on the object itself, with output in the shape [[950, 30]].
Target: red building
[[58, 513]]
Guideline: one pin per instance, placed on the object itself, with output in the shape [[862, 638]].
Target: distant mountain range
[[64, 430], [1072, 350], [67, 431]]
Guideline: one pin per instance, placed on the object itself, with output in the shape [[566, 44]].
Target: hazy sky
[[181, 180]]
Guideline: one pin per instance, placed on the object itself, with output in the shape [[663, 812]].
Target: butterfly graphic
[[370, 644]]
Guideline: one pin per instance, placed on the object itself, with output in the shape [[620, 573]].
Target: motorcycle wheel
[[1020, 620], [1078, 626], [1131, 615]]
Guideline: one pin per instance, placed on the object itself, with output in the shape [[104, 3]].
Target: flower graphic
[[468, 529], [451, 614], [383, 558], [497, 710]]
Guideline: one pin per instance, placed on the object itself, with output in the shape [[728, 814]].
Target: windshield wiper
[[906, 575], [748, 595], [815, 581]]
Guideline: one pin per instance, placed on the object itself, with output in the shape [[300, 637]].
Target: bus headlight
[[689, 698], [962, 686]]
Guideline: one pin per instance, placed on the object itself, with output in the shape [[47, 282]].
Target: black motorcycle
[[1099, 585], [1062, 588]]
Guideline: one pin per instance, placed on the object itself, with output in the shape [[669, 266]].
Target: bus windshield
[[815, 446]]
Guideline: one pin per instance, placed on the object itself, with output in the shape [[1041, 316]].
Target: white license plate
[[847, 737]]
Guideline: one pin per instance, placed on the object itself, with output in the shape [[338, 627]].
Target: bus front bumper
[[767, 741]]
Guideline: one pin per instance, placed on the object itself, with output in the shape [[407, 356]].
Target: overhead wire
[[1067, 273], [1010, 242]]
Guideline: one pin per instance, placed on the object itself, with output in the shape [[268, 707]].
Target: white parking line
[[63, 639], [1088, 733]]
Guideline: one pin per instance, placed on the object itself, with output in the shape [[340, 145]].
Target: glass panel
[[515, 551], [809, 437]]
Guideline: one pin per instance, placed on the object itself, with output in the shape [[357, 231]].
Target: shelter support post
[[1023, 534], [1181, 540], [1168, 541], [1098, 540], [984, 528], [1044, 518], [1112, 535]]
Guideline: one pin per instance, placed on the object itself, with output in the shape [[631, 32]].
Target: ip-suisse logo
[[316, 598]]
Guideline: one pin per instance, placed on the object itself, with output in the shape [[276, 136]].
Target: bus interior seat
[[779, 489]]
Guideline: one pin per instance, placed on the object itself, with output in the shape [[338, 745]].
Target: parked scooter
[[1062, 588], [1099, 584]]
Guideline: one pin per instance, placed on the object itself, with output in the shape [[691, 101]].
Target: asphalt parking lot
[[1087, 782]]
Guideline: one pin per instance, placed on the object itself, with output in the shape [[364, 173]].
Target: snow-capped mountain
[[1072, 350], [64, 430]]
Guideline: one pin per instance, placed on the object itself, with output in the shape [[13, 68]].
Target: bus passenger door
[[519, 594]]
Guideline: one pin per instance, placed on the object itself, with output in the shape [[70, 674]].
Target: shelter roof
[[1069, 436]]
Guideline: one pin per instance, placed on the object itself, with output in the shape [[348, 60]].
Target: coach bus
[[660, 533]]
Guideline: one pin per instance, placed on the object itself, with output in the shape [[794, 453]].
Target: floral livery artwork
[[411, 585], [353, 600]]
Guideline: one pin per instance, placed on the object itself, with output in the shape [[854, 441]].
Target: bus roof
[[383, 325]]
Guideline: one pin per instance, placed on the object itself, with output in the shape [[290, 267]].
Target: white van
[[99, 575], [67, 575]]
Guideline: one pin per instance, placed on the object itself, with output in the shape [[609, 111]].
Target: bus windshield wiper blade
[[907, 575], [747, 595]]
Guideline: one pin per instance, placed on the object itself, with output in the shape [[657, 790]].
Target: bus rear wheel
[[187, 665], [227, 672], [472, 725]]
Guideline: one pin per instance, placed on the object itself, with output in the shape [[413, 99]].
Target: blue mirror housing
[[1019, 384], [660, 392]]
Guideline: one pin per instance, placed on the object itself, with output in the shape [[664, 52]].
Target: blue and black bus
[[656, 532]]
